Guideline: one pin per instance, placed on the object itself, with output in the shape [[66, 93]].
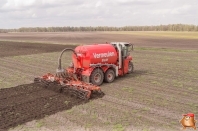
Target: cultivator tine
[[73, 91], [68, 82], [41, 81], [83, 95], [80, 93], [45, 83], [62, 74], [36, 80]]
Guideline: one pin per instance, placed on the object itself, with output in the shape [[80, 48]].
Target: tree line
[[170, 27]]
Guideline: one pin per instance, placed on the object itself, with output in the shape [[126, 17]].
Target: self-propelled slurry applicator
[[91, 65]]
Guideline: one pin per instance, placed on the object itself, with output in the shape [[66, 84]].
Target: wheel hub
[[97, 77], [110, 76]]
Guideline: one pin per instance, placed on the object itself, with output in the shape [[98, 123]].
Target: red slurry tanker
[[91, 65]]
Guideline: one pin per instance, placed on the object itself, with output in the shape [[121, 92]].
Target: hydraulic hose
[[59, 59]]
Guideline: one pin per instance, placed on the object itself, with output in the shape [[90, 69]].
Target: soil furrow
[[30, 101]]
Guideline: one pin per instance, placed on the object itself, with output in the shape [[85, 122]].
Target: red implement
[[81, 89], [90, 64]]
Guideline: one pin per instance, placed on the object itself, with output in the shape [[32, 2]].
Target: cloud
[[98, 4], [20, 13], [16, 4], [181, 10], [137, 2]]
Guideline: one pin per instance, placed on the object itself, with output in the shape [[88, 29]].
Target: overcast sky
[[45, 13]]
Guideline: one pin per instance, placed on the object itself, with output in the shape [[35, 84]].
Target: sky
[[47, 13]]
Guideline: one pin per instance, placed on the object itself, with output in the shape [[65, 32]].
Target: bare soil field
[[163, 87], [8, 48], [24, 103], [102, 37]]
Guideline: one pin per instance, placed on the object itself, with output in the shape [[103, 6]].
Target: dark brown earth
[[28, 102], [101, 37], [8, 48]]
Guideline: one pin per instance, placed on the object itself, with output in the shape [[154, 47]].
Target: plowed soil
[[31, 101], [101, 37], [8, 48]]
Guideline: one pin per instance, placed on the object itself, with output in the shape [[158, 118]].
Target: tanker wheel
[[109, 76], [130, 67], [97, 76]]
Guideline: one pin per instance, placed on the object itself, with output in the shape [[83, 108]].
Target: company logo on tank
[[103, 55]]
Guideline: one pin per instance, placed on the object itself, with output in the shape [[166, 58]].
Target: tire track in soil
[[28, 102]]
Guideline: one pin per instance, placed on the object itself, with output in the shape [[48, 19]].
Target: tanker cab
[[124, 56]]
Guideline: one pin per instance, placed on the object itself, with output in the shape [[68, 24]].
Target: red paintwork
[[94, 54], [100, 54], [124, 70], [70, 81], [126, 63]]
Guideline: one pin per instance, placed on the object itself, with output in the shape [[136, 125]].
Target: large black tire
[[130, 67], [109, 76], [97, 77]]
